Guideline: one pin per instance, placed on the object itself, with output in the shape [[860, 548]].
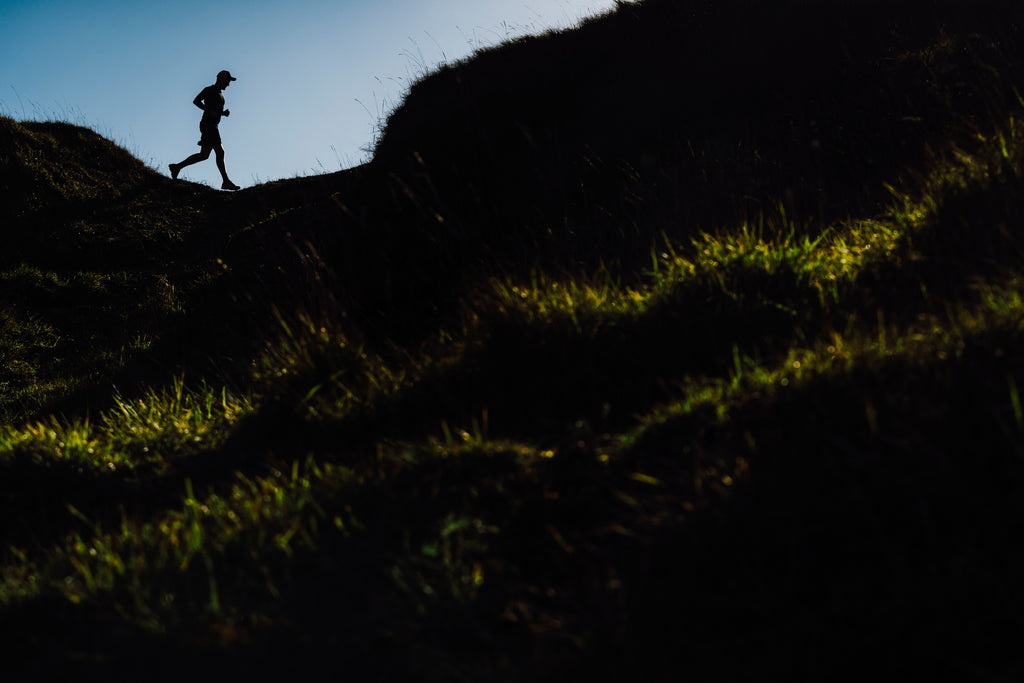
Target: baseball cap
[[226, 75]]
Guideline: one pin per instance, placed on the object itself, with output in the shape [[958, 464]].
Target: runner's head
[[224, 78]]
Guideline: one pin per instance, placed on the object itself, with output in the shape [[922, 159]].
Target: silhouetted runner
[[211, 101]]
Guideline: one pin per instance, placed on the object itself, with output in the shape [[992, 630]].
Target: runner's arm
[[198, 101]]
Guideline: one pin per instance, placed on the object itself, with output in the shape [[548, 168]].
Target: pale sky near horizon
[[314, 76]]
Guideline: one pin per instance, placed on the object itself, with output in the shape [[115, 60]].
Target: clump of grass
[[183, 559], [769, 261], [23, 339], [315, 368], [176, 420], [155, 429], [583, 304], [57, 469]]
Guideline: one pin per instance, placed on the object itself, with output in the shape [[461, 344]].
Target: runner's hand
[[227, 112]]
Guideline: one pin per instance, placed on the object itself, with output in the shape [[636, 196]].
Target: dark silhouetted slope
[[71, 195], [712, 112], [52, 163]]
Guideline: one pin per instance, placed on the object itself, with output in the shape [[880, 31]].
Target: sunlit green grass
[[154, 429]]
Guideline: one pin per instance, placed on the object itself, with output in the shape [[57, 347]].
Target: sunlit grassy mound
[[372, 425]]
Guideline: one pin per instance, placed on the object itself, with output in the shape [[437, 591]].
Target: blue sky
[[314, 76]]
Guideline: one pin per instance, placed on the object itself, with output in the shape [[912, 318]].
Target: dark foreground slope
[[683, 345]]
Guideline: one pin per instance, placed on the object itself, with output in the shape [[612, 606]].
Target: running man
[[211, 101]]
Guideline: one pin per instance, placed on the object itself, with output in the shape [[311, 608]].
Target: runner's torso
[[213, 101]]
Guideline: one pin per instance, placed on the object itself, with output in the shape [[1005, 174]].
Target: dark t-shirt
[[213, 103]]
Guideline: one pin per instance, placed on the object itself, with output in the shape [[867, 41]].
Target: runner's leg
[[227, 184], [202, 155], [219, 149]]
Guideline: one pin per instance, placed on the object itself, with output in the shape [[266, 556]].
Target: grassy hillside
[[687, 343]]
